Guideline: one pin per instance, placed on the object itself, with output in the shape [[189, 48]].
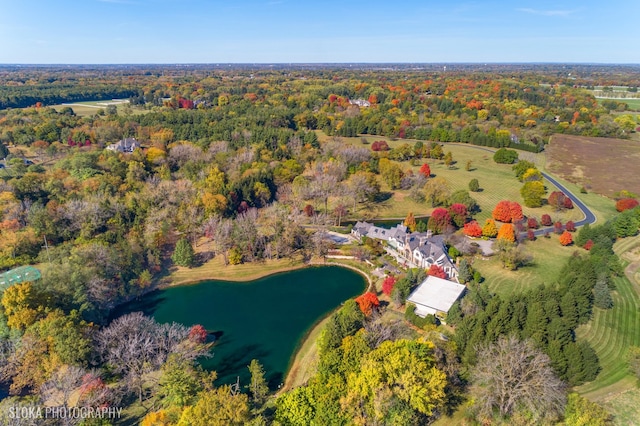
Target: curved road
[[589, 217]]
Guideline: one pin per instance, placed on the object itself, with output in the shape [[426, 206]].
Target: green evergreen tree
[[4, 151], [183, 254], [569, 309], [258, 386], [474, 185], [601, 294], [464, 272]]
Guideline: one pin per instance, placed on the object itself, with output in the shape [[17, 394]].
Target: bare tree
[[135, 345], [513, 375]]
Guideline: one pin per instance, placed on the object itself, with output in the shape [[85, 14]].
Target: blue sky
[[282, 31]]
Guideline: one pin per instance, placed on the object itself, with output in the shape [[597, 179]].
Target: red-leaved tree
[[626, 204], [387, 285], [557, 227], [472, 229], [458, 213], [368, 302], [308, 210], [502, 211], [531, 236], [546, 220], [570, 226], [515, 210], [425, 170], [566, 238], [588, 245], [198, 334], [437, 271], [439, 221], [380, 146], [532, 223]]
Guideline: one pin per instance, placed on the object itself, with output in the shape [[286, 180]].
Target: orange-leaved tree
[[368, 302], [502, 211], [566, 238], [472, 229], [506, 232]]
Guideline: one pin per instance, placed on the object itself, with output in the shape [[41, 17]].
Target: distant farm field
[[87, 108], [634, 104], [603, 165]]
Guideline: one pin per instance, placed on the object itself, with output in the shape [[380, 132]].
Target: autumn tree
[[546, 220], [582, 412], [513, 376], [566, 238], [425, 170], [502, 211], [391, 173], [489, 229], [368, 302], [532, 223], [437, 271], [410, 222], [559, 201], [437, 191], [626, 204], [218, 407], [506, 233], [557, 227], [515, 211], [472, 229], [531, 236], [388, 284], [570, 226], [439, 221]]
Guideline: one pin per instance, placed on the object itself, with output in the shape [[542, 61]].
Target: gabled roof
[[436, 293]]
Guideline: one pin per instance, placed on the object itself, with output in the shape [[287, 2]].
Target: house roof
[[436, 293]]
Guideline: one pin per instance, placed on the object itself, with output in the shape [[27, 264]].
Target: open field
[[603, 165], [92, 107], [634, 104], [497, 182], [548, 259], [611, 332]]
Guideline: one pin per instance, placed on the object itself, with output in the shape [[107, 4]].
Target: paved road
[[589, 217]]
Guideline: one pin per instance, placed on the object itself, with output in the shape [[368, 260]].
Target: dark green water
[[264, 319]]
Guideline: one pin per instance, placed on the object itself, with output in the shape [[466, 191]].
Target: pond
[[266, 319]]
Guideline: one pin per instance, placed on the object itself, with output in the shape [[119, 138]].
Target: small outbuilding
[[435, 296]]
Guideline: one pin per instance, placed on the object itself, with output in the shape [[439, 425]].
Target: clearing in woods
[[603, 165]]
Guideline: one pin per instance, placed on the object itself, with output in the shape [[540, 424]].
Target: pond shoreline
[[298, 365]]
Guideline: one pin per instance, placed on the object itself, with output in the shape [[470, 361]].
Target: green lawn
[[634, 104], [548, 259], [89, 108], [497, 182], [611, 332]]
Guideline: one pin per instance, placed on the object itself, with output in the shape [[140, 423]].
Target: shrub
[[546, 220], [410, 315], [531, 236], [474, 185], [437, 271], [380, 146], [570, 226], [532, 223], [626, 204], [587, 246], [505, 156]]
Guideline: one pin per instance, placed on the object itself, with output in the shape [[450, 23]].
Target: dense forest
[[252, 160]]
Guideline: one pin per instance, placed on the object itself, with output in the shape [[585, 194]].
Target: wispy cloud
[[546, 12]]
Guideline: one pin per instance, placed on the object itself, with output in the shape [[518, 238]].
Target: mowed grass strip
[[611, 332], [549, 257]]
